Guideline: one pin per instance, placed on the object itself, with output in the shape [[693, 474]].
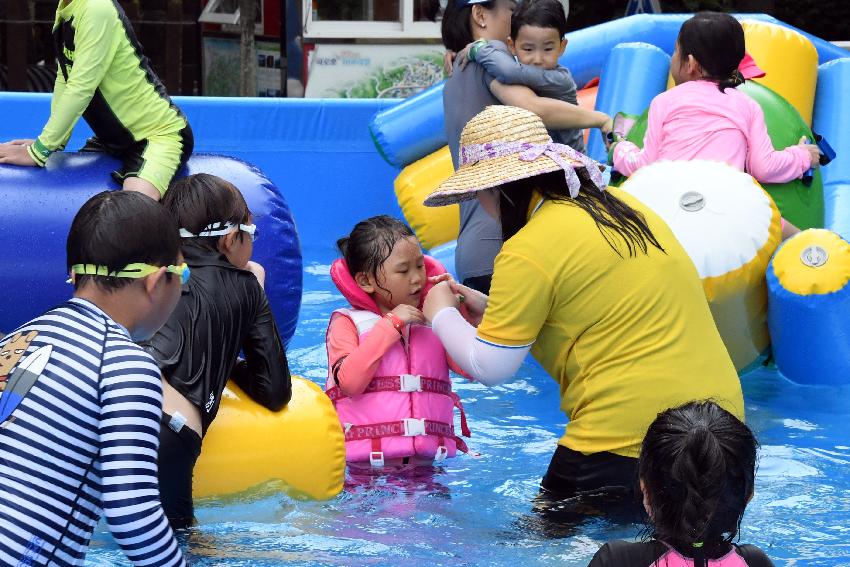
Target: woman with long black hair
[[594, 285]]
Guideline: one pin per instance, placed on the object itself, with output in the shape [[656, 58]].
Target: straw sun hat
[[503, 144]]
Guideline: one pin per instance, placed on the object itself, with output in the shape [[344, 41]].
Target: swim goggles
[[222, 228], [464, 3], [134, 271]]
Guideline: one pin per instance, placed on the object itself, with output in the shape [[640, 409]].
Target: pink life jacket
[[407, 408]]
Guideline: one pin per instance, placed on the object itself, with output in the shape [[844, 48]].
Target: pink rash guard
[[696, 121]]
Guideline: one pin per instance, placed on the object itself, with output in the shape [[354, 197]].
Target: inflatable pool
[[473, 510], [794, 95]]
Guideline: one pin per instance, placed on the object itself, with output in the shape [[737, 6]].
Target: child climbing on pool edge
[[388, 374], [705, 117], [537, 41], [222, 310], [697, 473]]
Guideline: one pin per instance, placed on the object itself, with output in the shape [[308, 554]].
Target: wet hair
[[455, 27], [117, 228], [201, 199], [698, 465], [716, 41], [371, 243], [540, 14], [613, 217]]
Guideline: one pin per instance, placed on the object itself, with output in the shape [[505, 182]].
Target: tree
[[247, 49]]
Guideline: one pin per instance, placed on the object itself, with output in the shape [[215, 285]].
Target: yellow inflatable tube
[[433, 225], [248, 445]]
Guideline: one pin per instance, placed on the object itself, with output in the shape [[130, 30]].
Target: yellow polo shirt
[[624, 337]]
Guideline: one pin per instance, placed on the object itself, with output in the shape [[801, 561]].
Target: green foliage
[[404, 77]]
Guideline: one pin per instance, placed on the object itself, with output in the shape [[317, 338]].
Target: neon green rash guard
[[104, 77]]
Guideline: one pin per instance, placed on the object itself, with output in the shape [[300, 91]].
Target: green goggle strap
[[137, 270]]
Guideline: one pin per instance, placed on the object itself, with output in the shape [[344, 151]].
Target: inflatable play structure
[[45, 202], [730, 228], [247, 445], [320, 155], [802, 93]]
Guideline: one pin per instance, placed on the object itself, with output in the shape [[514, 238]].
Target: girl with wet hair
[[388, 374]]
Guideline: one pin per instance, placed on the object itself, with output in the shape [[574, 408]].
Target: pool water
[[476, 510]]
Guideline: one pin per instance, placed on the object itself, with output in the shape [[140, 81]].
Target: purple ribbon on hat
[[528, 151]]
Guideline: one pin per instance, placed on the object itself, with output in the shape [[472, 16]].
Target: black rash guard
[[222, 310], [651, 553]]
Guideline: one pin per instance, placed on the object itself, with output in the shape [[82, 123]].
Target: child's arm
[[768, 165], [264, 374], [131, 390], [58, 90], [96, 43], [555, 114], [626, 157], [557, 83], [351, 362]]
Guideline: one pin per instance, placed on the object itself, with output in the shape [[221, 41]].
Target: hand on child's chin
[[439, 298], [447, 277]]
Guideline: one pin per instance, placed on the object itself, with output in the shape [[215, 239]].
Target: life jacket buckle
[[376, 459], [442, 453], [413, 427], [410, 383]]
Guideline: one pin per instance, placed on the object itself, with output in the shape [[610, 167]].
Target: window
[[378, 19], [227, 12]]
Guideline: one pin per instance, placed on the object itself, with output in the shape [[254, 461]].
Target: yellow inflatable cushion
[[814, 262], [432, 225], [248, 445], [790, 61]]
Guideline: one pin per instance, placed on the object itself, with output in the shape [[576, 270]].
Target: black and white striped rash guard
[[82, 443]]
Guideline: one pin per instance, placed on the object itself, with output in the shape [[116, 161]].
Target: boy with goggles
[[132, 271], [80, 402], [223, 310]]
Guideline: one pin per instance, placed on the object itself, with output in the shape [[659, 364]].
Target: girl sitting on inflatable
[[388, 374], [705, 117], [697, 471]]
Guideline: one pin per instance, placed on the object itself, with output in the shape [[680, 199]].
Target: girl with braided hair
[[697, 470]]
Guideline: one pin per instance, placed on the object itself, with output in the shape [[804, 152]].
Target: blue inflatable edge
[[831, 116], [318, 152]]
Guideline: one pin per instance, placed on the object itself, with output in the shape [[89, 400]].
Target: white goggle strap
[[214, 229]]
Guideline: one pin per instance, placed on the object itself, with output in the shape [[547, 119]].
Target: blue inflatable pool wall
[[633, 75]]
